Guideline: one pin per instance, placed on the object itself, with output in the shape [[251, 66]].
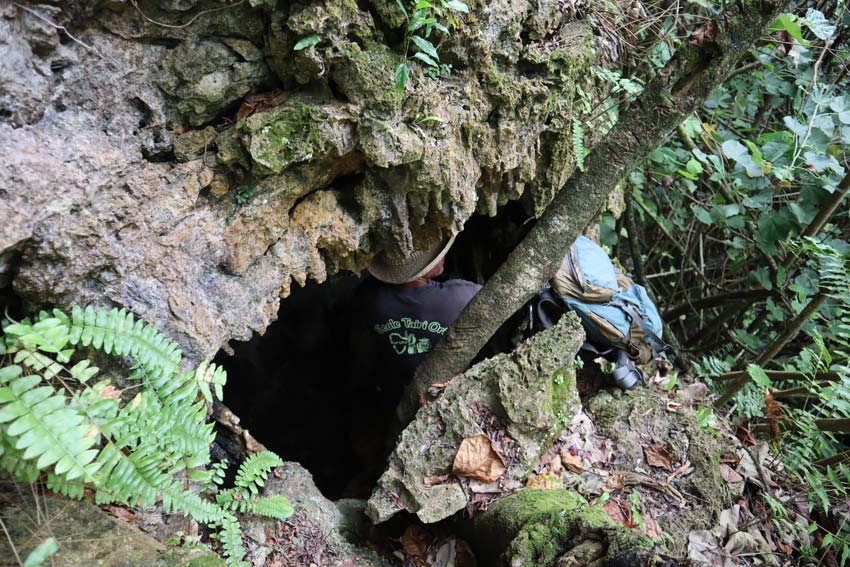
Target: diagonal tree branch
[[680, 87]]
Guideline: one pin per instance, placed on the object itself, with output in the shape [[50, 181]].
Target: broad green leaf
[[795, 126], [772, 227], [736, 151], [427, 60], [41, 553], [702, 215], [426, 46], [788, 22], [402, 74], [306, 42], [401, 6], [819, 25], [822, 162], [457, 6], [759, 377]]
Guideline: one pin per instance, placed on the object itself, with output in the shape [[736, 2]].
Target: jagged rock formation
[[130, 179], [522, 399]]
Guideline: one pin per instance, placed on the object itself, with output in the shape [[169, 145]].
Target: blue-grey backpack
[[615, 312]]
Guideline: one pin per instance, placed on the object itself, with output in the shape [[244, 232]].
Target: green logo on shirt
[[407, 343]]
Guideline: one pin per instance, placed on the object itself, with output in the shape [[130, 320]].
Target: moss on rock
[[527, 391], [533, 527]]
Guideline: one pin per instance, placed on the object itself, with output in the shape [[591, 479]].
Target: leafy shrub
[[134, 446]]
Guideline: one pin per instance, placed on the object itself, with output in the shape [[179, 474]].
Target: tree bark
[[694, 71]]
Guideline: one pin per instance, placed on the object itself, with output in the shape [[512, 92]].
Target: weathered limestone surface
[[88, 536], [127, 178], [531, 395], [326, 528]]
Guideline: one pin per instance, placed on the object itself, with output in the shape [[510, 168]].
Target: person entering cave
[[397, 316]]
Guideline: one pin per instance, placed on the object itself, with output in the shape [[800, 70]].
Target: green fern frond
[[117, 332], [170, 390], [274, 506], [230, 537], [208, 374], [255, 469], [130, 451], [38, 362], [45, 427]]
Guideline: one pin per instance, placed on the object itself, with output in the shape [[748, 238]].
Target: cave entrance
[[290, 386]]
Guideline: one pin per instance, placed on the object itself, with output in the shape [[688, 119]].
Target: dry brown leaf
[[438, 479], [110, 392], [651, 527], [616, 513], [120, 512], [657, 455], [413, 541], [614, 483], [259, 102], [681, 470], [545, 480], [572, 462], [477, 459], [729, 474]]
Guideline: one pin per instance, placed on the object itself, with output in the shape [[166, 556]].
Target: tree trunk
[[684, 83]]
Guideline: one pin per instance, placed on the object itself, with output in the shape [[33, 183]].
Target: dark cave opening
[[291, 386]]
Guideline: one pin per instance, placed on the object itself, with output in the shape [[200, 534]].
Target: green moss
[[560, 401], [282, 136]]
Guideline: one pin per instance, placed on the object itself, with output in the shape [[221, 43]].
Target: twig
[[190, 22], [772, 349], [12, 545], [58, 27]]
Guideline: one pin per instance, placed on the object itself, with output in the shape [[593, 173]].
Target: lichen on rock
[[532, 390]]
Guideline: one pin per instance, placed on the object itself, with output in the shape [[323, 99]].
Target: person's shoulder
[[461, 286]]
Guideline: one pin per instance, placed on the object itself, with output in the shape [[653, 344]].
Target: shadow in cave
[[291, 387]]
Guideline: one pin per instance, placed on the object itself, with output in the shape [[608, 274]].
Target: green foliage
[[306, 42], [245, 194], [579, 150], [741, 224], [44, 551], [424, 19], [131, 447]]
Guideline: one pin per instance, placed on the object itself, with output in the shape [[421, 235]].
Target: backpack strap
[[657, 344], [544, 310]]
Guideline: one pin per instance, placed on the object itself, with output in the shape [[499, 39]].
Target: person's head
[[425, 263]]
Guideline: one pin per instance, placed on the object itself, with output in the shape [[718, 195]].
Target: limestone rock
[[128, 181], [88, 536], [522, 399], [317, 519]]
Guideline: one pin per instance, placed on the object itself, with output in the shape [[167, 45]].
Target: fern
[[82, 434], [44, 427], [253, 472]]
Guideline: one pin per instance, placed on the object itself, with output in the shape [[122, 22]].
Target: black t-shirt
[[393, 328]]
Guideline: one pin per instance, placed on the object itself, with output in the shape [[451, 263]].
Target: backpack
[[620, 319]]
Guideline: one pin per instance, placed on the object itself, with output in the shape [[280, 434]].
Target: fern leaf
[[44, 427], [230, 537], [253, 472], [91, 327]]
